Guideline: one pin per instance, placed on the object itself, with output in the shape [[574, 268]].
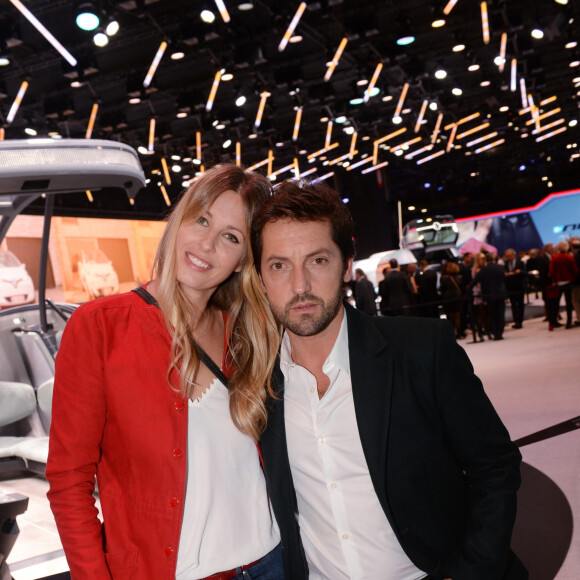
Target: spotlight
[[244, 6], [537, 33], [207, 16], [240, 101], [4, 61], [101, 39], [440, 74], [87, 17], [405, 40], [112, 28]]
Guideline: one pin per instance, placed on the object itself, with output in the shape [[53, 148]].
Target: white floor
[[532, 378]]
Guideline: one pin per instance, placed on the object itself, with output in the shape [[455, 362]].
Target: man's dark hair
[[393, 262], [305, 202]]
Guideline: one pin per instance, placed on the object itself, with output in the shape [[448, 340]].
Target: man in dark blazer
[[395, 291], [515, 281], [383, 456]]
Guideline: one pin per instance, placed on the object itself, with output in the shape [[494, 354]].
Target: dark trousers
[[496, 311], [553, 305], [517, 304]]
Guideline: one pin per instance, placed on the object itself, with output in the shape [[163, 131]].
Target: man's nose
[[300, 281]]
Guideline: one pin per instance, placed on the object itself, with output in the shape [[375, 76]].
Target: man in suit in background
[[381, 439], [515, 281], [426, 281], [395, 291], [364, 293]]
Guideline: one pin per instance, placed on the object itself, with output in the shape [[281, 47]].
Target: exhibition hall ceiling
[[452, 117]]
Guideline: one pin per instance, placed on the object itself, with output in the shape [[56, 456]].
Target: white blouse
[[227, 520]]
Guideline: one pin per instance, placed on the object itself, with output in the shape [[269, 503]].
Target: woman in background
[[140, 402], [451, 295]]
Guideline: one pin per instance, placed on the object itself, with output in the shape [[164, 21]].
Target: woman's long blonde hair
[[253, 337]]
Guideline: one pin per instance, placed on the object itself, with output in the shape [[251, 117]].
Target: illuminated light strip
[[544, 115], [421, 115], [375, 153], [198, 145], [92, 119], [291, 27], [369, 169], [484, 23], [502, 51], [449, 7], [166, 171], [390, 136], [270, 160], [430, 157], [297, 124], [308, 172], [238, 154], [284, 169], [17, 101], [155, 64], [47, 35], [462, 121], [352, 150], [418, 151], [2, 133], [490, 145], [524, 93], [474, 130], [534, 110], [213, 91], [373, 82], [296, 168], [359, 163], [451, 139], [132, 201], [401, 99], [481, 139], [342, 158], [89, 195], [325, 176], [223, 10], [548, 126], [437, 126], [263, 97], [323, 150], [259, 164], [328, 133], [548, 100], [336, 58], [406, 144], [524, 111], [151, 145], [165, 196], [514, 75]]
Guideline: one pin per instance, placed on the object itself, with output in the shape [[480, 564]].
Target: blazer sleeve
[[489, 459], [78, 420]]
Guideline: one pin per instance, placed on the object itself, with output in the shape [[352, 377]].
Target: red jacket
[[563, 268], [115, 416]]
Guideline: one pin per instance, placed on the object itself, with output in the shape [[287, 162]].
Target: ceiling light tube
[[359, 163], [390, 136], [2, 133], [16, 104], [257, 165], [421, 115], [292, 26], [514, 74], [223, 10], [165, 196], [437, 128], [544, 115], [451, 139], [213, 91], [548, 126], [502, 51], [374, 79], [548, 100], [283, 170], [335, 59], [551, 134], [378, 166], [263, 96], [89, 195], [342, 158], [406, 144], [297, 124], [375, 153], [449, 7], [151, 145], [155, 64], [328, 133], [270, 160], [238, 154], [323, 150], [534, 110], [325, 176], [308, 172], [401, 100], [92, 119], [473, 130], [296, 168], [490, 146], [523, 92], [484, 23], [462, 121], [352, 151], [165, 171], [198, 145], [430, 157], [47, 35], [418, 151], [482, 139]]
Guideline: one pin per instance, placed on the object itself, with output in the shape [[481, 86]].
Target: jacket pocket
[[122, 562]]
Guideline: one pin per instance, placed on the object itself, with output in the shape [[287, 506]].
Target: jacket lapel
[[371, 368]]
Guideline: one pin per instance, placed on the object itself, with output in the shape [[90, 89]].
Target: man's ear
[[347, 275]]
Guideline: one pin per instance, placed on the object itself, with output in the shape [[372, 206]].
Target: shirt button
[[179, 405], [312, 389], [169, 551], [321, 440], [177, 453], [345, 536], [333, 485], [174, 502]]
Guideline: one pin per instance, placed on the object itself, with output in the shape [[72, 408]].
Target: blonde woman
[[172, 444]]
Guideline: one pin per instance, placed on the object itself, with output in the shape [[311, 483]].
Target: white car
[[98, 277], [16, 286]]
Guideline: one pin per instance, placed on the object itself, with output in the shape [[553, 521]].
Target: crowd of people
[[473, 293]]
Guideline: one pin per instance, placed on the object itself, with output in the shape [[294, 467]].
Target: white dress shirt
[[345, 532], [227, 521]]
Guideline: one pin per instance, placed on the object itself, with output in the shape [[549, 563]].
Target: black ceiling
[[247, 47]]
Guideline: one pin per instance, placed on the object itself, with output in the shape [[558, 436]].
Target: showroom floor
[[531, 377]]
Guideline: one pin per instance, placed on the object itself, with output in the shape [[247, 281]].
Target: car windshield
[[94, 257], [8, 260]]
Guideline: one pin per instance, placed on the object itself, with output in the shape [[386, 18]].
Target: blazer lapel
[[371, 368]]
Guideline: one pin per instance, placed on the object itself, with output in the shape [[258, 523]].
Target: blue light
[[427, 185], [87, 21], [405, 40], [345, 200], [356, 101], [522, 167]]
